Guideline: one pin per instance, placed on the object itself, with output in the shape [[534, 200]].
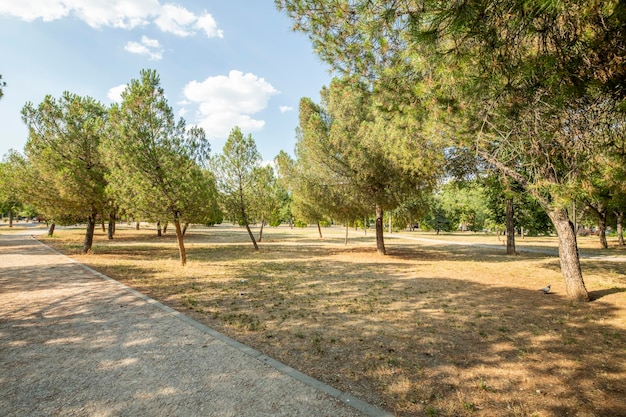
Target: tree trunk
[[165, 227], [346, 239], [181, 243], [319, 229], [185, 228], [620, 227], [600, 211], [602, 231], [568, 255], [380, 241], [365, 226], [10, 217], [137, 224], [510, 228], [261, 231], [91, 227], [104, 228], [244, 217], [390, 222], [256, 247], [51, 229], [111, 230], [159, 234]]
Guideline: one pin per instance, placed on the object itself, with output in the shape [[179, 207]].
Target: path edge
[[343, 397]]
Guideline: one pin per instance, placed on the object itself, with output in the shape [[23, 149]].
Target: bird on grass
[[546, 290]]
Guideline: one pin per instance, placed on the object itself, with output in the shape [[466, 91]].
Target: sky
[[222, 63]]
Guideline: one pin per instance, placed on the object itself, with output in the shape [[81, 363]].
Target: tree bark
[[137, 224], [600, 211], [111, 230], [181, 243], [165, 227], [261, 230], [256, 247], [159, 234], [568, 255], [380, 241], [510, 228], [620, 227], [91, 227], [51, 229], [185, 228], [319, 229], [244, 217]]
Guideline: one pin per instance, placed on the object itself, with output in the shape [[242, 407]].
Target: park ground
[[431, 329]]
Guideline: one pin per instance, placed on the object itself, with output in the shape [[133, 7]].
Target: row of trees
[[533, 90], [85, 163]]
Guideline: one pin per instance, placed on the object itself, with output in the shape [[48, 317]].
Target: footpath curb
[[345, 398]]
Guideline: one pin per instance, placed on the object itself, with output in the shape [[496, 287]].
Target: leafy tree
[[265, 201], [63, 148], [235, 170], [155, 160], [516, 75], [374, 158], [10, 195], [437, 218]]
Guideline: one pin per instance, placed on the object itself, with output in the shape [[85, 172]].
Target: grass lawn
[[431, 329]]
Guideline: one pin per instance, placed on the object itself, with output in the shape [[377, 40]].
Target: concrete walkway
[[74, 342]]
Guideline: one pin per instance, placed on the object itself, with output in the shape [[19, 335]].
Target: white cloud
[[115, 93], [147, 46], [175, 19], [285, 109], [123, 14], [209, 25], [228, 101]]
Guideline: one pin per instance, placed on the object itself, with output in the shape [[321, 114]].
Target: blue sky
[[222, 62]]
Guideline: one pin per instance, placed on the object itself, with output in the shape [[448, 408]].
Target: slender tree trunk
[[159, 234], [346, 239], [10, 217], [365, 226], [181, 243], [390, 222], [185, 228], [510, 228], [256, 247], [91, 227], [111, 230], [165, 227], [620, 227], [568, 255], [380, 241], [104, 228], [600, 211], [319, 229], [261, 230], [51, 229], [137, 224], [244, 217]]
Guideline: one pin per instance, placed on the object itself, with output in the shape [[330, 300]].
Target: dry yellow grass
[[441, 330]]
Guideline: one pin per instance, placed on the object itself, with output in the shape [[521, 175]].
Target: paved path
[[76, 343]]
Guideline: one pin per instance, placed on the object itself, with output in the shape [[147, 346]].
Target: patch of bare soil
[[429, 330]]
